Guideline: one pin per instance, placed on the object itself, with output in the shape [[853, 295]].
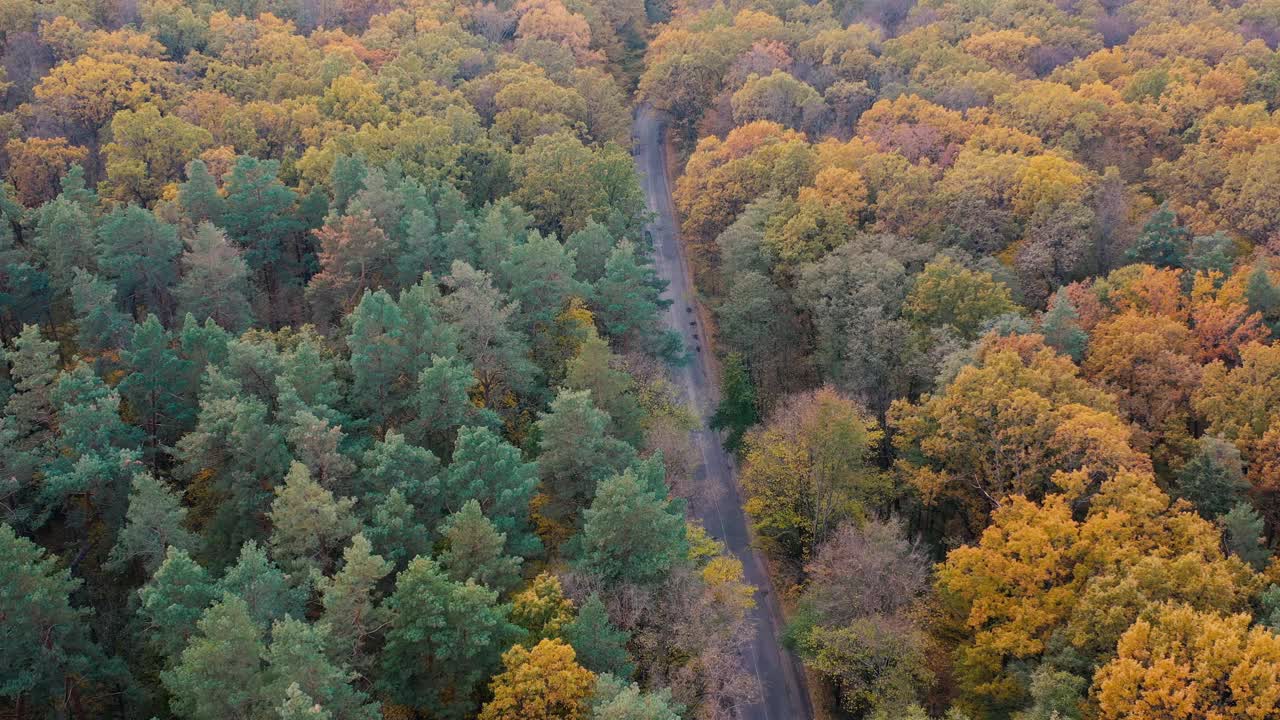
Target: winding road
[[778, 672]]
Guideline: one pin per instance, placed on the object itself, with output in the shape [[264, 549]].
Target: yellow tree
[[810, 467], [545, 683], [36, 164], [1186, 665]]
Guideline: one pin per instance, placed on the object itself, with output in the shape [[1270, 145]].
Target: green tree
[[1061, 327], [48, 649], [346, 178], [737, 410], [64, 241], [1262, 294], [298, 658], [350, 601], [947, 294], [475, 550], [308, 524], [616, 699], [612, 390], [259, 211], [443, 402], [1245, 535], [100, 324], [489, 470], [444, 641], [173, 601], [630, 534], [153, 524], [268, 593], [1163, 242], [153, 388], [199, 196], [140, 255], [215, 280], [1213, 479], [628, 302], [219, 674], [591, 247], [33, 370], [601, 647], [575, 450], [487, 336]]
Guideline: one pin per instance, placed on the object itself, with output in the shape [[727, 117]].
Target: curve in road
[[781, 679]]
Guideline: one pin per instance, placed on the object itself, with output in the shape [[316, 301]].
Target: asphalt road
[[779, 673]]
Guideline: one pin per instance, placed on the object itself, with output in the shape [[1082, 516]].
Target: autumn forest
[[360, 363]]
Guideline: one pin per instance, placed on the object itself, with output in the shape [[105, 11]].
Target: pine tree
[[737, 411], [444, 642], [1061, 328], [628, 300], [140, 255], [1163, 242], [489, 470], [612, 390], [47, 646], [173, 601], [629, 535], [475, 550], [1245, 532], [33, 368], [591, 247], [1262, 294], [298, 658], [259, 211], [268, 593], [219, 674], [443, 403], [153, 388], [100, 325], [64, 241], [153, 524], [215, 280], [1213, 479], [601, 647], [576, 451], [616, 699], [317, 444], [350, 601], [308, 524], [346, 178], [297, 705], [199, 196]]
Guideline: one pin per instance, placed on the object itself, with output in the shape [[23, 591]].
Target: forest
[[341, 379]]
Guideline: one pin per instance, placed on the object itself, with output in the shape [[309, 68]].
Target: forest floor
[[779, 673]]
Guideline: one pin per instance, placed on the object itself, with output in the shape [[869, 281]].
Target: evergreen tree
[[487, 336], [591, 247], [219, 674], [153, 524], [395, 464], [100, 325], [629, 535], [1163, 242], [153, 388], [601, 647], [443, 403], [346, 178], [475, 550], [628, 300], [616, 699], [1061, 327], [379, 358], [140, 255], [47, 647], [1262, 294], [317, 444], [173, 601], [64, 241], [489, 470], [538, 276], [575, 451], [308, 524], [350, 602], [298, 658], [1244, 532], [297, 705], [737, 411], [199, 197], [1213, 479], [259, 211], [33, 369], [215, 280], [612, 390], [268, 593], [444, 641]]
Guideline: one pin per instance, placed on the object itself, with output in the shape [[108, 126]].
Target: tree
[[737, 411], [173, 601], [298, 658], [64, 241], [269, 594], [140, 254], [628, 301], [630, 534], [219, 673], [443, 402], [1061, 327], [809, 468], [444, 641], [575, 450], [541, 609], [154, 524], [615, 699], [149, 150], [489, 470], [100, 325], [350, 601], [215, 280], [947, 294], [49, 652], [600, 647], [591, 247], [544, 683], [1163, 242], [484, 320], [33, 369], [153, 388], [259, 211], [308, 524], [1213, 479], [1244, 535], [875, 665], [355, 256], [199, 196], [1183, 663], [36, 164], [475, 550]]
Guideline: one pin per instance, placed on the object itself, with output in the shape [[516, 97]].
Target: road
[[779, 673]]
